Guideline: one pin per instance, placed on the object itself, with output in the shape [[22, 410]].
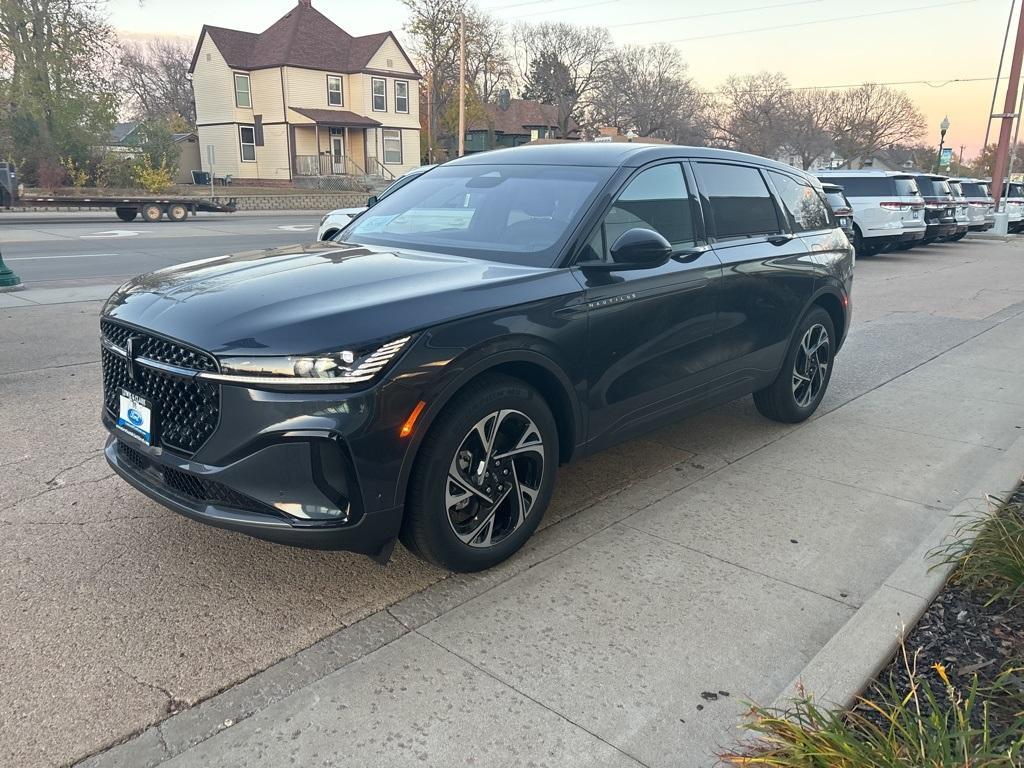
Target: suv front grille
[[185, 410]]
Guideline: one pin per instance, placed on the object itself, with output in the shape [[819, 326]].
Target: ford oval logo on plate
[[135, 417]]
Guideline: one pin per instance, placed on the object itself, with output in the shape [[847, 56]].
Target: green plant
[[917, 728], [78, 175], [988, 553], [153, 178]]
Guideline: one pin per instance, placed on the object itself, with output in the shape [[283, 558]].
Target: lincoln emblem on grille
[[129, 353]]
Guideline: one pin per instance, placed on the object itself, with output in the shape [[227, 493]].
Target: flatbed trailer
[[151, 209]]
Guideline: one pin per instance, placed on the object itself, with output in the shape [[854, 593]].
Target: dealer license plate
[[135, 416]]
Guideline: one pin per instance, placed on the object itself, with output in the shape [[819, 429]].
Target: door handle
[[691, 254], [780, 239]]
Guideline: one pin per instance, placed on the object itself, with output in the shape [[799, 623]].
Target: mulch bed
[[959, 631]]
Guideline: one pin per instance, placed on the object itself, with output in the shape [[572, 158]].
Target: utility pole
[[999, 74], [462, 84], [961, 155], [1008, 115], [430, 116]]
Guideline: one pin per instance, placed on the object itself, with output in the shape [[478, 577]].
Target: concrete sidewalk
[[634, 632]]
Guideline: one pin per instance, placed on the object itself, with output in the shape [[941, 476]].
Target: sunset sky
[[814, 42]]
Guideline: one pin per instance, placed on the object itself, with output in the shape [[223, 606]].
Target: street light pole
[[462, 84], [943, 127]]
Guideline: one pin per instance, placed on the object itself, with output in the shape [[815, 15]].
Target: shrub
[[923, 728], [989, 553], [153, 178], [78, 174], [115, 171], [50, 174]]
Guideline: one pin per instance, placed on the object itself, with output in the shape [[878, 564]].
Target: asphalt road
[[117, 612], [56, 250]]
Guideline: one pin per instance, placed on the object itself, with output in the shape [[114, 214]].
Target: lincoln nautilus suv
[[421, 376]]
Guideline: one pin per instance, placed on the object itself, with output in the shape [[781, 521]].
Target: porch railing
[[327, 165]]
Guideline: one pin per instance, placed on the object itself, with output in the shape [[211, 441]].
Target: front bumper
[[229, 497]]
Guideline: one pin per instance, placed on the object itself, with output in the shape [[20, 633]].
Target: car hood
[[319, 297]]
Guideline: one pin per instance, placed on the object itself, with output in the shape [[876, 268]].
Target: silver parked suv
[[888, 209]]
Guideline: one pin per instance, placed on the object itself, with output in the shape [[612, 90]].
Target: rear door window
[[739, 200], [906, 186], [803, 204], [865, 186]]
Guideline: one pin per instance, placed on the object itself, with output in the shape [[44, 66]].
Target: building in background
[[304, 99], [523, 121]]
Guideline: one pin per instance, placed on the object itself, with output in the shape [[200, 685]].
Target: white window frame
[[340, 91], [373, 94], [384, 145], [406, 97], [248, 91], [243, 144]]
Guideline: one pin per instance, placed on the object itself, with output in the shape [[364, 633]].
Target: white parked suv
[[980, 206], [888, 210], [336, 220], [1012, 204]]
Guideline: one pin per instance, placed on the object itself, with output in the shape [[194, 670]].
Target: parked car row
[[896, 210]]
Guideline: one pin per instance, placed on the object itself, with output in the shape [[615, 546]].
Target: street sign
[[946, 157]]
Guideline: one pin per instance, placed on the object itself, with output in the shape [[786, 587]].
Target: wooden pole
[[462, 84], [430, 116], [1008, 115]]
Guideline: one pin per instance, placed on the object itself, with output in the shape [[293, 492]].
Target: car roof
[[824, 173], [612, 155]]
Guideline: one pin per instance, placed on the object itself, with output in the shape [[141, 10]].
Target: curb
[[847, 663]]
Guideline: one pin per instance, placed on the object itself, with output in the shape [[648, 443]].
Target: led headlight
[[328, 369]]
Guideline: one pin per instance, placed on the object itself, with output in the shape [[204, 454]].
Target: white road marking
[[296, 227], [112, 233], [62, 256]]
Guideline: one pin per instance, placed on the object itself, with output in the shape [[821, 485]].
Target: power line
[[929, 83], [714, 13], [819, 21]]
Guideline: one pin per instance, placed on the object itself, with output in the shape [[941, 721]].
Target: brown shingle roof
[[336, 117], [520, 116], [303, 37]]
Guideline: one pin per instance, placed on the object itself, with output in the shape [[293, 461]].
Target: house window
[[392, 146], [247, 142], [380, 95], [402, 96], [334, 90], [243, 93]]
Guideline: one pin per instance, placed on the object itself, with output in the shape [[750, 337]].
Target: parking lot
[[119, 612]]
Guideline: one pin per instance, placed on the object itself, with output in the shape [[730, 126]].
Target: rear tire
[[152, 212], [469, 505], [126, 214], [904, 246], [177, 212], [806, 371], [958, 237]]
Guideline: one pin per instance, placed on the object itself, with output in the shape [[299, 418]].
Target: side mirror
[[640, 248], [371, 201]]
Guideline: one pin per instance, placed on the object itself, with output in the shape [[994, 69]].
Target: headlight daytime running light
[[323, 370]]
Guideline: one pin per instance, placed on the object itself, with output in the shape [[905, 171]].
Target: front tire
[[484, 476], [798, 389]]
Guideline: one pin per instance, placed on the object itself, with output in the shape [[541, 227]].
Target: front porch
[[335, 143]]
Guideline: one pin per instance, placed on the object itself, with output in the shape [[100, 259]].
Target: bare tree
[[561, 64], [488, 65], [751, 113], [872, 117], [433, 26], [807, 124], [646, 89], [155, 76]]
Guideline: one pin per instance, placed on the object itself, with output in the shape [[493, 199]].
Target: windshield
[[518, 214], [836, 199], [954, 187], [933, 187], [401, 181]]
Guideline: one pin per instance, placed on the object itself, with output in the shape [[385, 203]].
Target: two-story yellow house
[[304, 98]]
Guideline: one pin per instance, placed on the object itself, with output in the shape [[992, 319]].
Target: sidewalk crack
[[541, 704]]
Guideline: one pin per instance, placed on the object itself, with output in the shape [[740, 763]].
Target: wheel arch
[[831, 302], [534, 368]]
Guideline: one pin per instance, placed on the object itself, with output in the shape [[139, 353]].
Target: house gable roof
[[519, 118], [121, 131], [303, 37]]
